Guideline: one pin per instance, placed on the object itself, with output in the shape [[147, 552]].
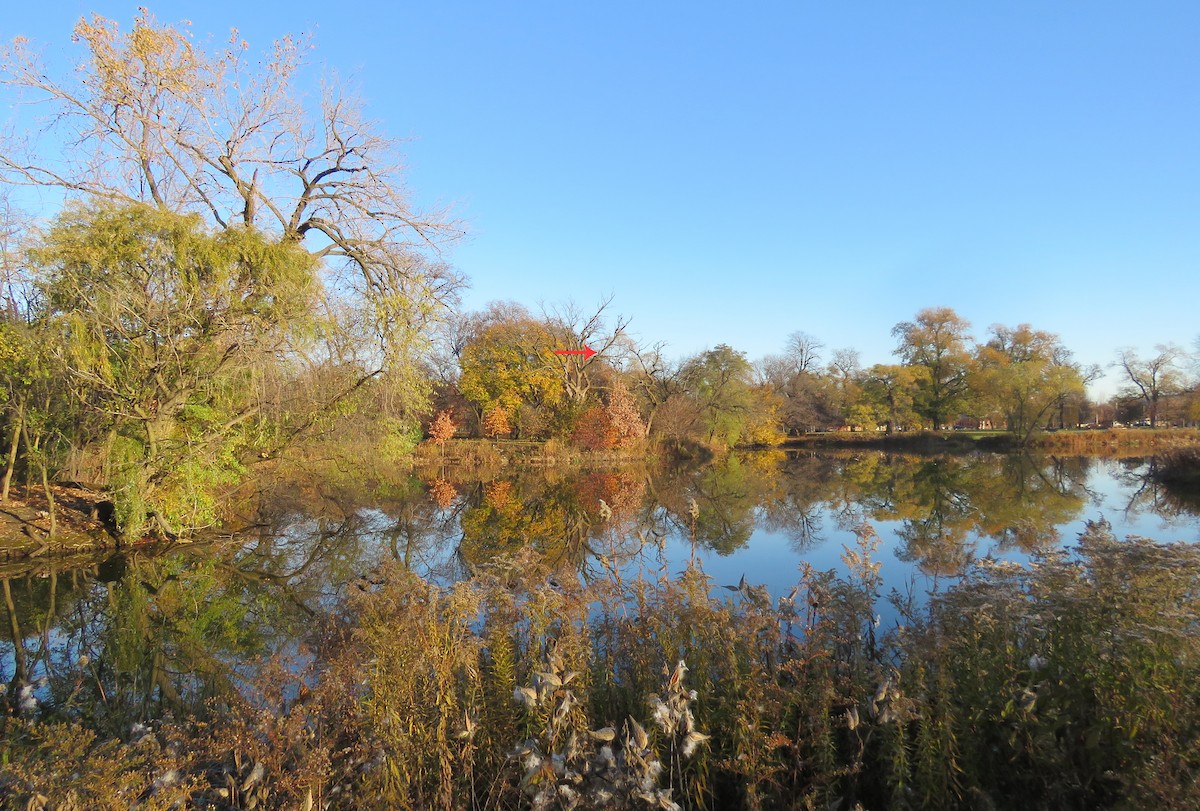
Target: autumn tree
[[510, 365], [159, 326], [891, 390], [441, 429], [495, 423], [936, 341], [149, 117], [1151, 379], [1025, 374]]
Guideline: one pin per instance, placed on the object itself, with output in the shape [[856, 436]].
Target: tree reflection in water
[[115, 641]]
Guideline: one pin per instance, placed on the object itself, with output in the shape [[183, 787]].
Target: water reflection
[[116, 640]]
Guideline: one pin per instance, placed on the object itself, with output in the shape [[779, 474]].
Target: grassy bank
[[529, 453], [1070, 684], [1113, 442]]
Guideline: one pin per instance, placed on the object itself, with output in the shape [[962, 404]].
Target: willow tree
[[161, 327], [1025, 374], [720, 381], [150, 117]]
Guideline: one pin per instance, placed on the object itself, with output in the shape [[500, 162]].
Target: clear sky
[[732, 173]]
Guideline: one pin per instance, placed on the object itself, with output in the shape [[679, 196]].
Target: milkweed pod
[[640, 739], [693, 740]]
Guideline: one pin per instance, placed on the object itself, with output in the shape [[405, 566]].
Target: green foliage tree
[[39, 413], [936, 342], [149, 116], [1024, 374], [891, 390], [720, 381], [160, 326]]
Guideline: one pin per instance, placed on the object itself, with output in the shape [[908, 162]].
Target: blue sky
[[732, 174]]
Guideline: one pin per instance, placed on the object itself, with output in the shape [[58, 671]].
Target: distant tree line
[[1018, 379]]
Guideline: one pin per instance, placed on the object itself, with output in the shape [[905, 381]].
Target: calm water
[[160, 633]]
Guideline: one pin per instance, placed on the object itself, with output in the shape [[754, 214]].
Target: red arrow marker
[[587, 351]]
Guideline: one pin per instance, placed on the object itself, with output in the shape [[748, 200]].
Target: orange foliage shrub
[[442, 428], [496, 423], [624, 416], [595, 431], [443, 492]]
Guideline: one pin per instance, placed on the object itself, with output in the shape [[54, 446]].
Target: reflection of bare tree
[[1070, 474], [1148, 494], [796, 505], [20, 666]]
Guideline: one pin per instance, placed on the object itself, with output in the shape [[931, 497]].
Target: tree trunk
[[49, 500], [18, 427], [21, 673], [33, 451]]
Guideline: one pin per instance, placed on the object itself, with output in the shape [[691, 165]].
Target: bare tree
[[150, 117], [579, 329], [804, 351], [1152, 378], [658, 383], [14, 282]]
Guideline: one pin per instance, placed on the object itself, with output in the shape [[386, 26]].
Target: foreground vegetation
[[1070, 683]]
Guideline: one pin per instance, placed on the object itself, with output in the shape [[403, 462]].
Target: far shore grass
[[1121, 442]]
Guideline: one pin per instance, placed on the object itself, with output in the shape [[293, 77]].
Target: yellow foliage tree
[[508, 366]]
